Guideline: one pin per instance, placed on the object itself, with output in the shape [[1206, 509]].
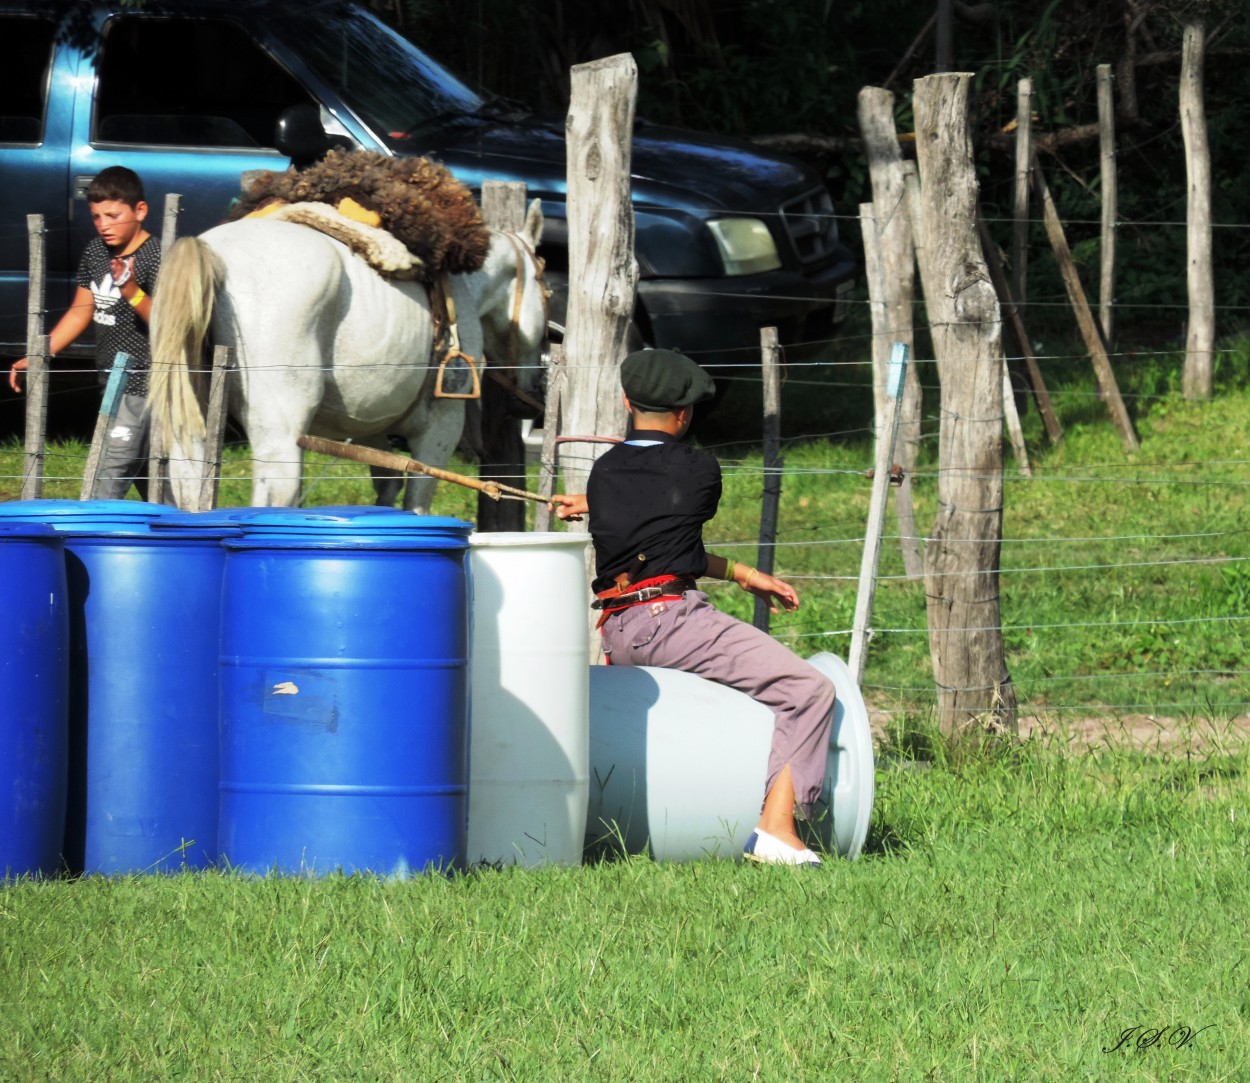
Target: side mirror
[[300, 136]]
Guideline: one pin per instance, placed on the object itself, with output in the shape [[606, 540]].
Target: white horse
[[325, 345]]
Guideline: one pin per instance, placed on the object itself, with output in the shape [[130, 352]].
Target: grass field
[[1016, 912], [1043, 910]]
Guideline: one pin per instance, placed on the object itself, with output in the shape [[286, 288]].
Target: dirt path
[[1143, 732]]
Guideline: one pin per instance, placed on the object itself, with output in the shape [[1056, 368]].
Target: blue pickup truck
[[193, 94]]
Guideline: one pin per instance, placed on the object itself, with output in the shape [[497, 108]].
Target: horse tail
[[190, 275]]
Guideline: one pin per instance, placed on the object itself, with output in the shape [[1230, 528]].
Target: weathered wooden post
[[962, 554], [169, 224], [1197, 375], [1110, 199], [602, 271], [603, 274], [766, 555], [158, 460], [503, 452], [1020, 194], [895, 252], [36, 362], [557, 373]]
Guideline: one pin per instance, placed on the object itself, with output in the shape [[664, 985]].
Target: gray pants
[[693, 635], [124, 457]]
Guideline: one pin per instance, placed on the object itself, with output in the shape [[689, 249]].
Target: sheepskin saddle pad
[[383, 252], [416, 200]]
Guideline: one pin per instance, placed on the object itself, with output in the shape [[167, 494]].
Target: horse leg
[[432, 431], [277, 459]]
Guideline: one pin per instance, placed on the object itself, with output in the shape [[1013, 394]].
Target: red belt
[[614, 599]]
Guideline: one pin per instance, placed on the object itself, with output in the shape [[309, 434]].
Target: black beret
[[664, 380]]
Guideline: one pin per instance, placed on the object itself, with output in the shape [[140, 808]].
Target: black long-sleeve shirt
[[651, 495]]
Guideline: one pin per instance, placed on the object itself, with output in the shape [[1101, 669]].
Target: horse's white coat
[[323, 344]]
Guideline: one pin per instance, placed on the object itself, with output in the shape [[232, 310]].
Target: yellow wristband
[[137, 299], [731, 566]]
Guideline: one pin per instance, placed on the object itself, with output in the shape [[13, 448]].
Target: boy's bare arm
[[66, 331]]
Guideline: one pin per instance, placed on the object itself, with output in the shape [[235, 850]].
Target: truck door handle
[[81, 184]]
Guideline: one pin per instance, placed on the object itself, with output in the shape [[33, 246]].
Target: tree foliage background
[[765, 69]]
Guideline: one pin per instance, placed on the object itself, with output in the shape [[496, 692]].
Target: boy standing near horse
[[116, 276], [648, 499]]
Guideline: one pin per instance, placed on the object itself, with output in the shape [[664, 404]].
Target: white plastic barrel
[[529, 701], [678, 763]]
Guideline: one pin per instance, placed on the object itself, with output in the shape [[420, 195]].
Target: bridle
[[506, 377]]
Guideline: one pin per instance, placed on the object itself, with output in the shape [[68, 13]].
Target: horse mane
[[418, 200]]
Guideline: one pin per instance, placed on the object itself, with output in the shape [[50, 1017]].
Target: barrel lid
[[354, 526], [201, 524], [77, 516], [532, 539], [850, 785], [19, 529]]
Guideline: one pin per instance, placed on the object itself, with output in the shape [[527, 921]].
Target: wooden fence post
[[1197, 375], [895, 251], [883, 461], [1110, 200], [1090, 331], [1020, 194], [169, 225], [158, 460], [766, 555], [962, 554], [556, 378], [503, 452], [37, 362], [602, 272]]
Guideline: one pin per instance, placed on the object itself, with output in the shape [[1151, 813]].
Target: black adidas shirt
[[118, 327], [652, 496]]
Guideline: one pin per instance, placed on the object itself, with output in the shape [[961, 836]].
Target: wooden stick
[[372, 457], [1011, 310], [1090, 331]]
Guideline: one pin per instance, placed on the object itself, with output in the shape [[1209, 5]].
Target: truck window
[[28, 56], [389, 83], [188, 82]]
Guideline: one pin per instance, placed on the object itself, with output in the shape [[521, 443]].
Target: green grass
[[1015, 912], [1018, 908]]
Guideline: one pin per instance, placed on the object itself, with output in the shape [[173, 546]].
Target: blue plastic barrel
[[34, 698], [344, 685], [144, 639]]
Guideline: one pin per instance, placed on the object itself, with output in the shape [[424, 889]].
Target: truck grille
[[809, 223]]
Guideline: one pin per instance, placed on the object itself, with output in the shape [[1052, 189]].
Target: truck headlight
[[746, 246]]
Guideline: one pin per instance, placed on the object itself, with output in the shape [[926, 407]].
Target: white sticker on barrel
[[286, 688]]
